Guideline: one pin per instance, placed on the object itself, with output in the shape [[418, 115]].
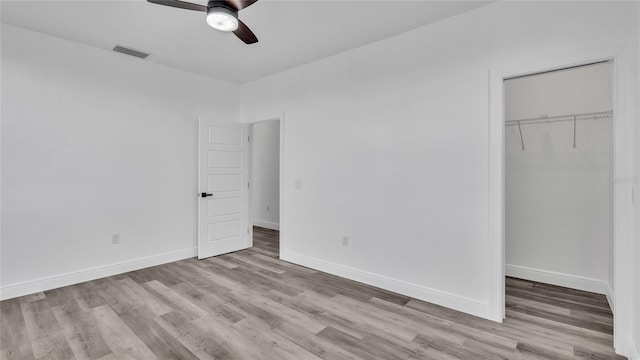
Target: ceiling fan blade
[[180, 4], [239, 4], [245, 34]]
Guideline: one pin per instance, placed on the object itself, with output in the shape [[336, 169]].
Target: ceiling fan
[[222, 15]]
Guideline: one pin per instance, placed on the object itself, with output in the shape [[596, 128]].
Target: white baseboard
[[609, 294], [266, 224], [456, 302], [561, 279], [70, 278]]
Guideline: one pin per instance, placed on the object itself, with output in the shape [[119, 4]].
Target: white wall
[[558, 200], [266, 174], [94, 143], [577, 90], [390, 144]]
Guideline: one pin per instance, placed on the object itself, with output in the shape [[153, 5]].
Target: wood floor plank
[[210, 304], [288, 315], [544, 330], [14, 339], [246, 261], [326, 318], [141, 298], [155, 337], [543, 352], [194, 339], [206, 277], [387, 320], [316, 345], [218, 260], [44, 332], [262, 334], [524, 302], [38, 318], [122, 341], [548, 297], [81, 334], [348, 343], [358, 319], [283, 264], [434, 328], [251, 305], [174, 300], [234, 339], [583, 353], [565, 319], [91, 291], [63, 297]]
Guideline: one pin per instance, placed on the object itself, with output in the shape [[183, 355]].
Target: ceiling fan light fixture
[[222, 19], [222, 15]]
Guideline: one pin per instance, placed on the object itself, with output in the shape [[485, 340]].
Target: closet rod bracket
[[574, 132], [521, 139]]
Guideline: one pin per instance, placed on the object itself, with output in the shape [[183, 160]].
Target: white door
[[223, 185]]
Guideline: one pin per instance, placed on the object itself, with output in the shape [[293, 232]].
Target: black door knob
[[204, 195]]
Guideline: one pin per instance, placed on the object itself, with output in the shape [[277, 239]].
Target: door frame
[[624, 179], [281, 172]]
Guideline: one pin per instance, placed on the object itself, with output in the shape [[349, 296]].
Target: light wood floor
[[250, 305]]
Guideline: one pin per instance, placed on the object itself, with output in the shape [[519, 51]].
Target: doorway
[[558, 200], [624, 143], [558, 178], [265, 184]]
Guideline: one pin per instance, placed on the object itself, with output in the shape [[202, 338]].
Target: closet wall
[[559, 198]]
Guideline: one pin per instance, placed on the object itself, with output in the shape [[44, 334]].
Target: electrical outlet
[[345, 241], [115, 238], [268, 208], [298, 184]]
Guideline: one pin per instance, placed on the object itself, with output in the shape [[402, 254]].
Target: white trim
[[625, 178], [496, 196], [199, 186], [625, 141], [252, 185], [266, 224], [610, 297], [75, 277], [557, 278], [467, 305], [283, 188], [275, 118]]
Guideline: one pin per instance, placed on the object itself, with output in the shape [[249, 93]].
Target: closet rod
[[551, 119]]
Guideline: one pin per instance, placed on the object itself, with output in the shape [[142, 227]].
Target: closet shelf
[[559, 118]]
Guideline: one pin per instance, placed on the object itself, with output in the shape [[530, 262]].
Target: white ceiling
[[290, 33]]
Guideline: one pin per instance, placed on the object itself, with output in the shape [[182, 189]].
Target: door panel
[[223, 217], [221, 206], [225, 159], [225, 183]]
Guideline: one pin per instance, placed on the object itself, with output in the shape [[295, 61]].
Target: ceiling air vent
[[129, 51]]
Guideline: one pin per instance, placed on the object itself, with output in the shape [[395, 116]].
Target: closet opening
[[265, 140], [558, 196]]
